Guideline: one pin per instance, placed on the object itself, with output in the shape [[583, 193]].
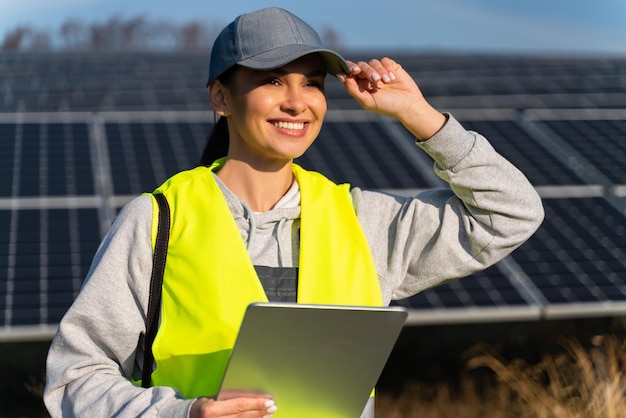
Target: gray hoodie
[[418, 242]]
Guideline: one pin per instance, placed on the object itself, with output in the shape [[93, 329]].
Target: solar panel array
[[82, 134]]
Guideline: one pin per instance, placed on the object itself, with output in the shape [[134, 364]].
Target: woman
[[254, 227]]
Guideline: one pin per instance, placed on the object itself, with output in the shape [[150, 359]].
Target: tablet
[[315, 360]]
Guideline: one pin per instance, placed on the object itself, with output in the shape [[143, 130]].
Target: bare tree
[[113, 34], [73, 33], [119, 34], [16, 38], [97, 36], [40, 41], [190, 35], [107, 36], [134, 33]]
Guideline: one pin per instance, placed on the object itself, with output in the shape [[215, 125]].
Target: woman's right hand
[[383, 86], [239, 407]]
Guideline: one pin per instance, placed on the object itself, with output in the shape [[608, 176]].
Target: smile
[[294, 126]]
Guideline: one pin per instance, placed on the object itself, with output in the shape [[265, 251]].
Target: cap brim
[[276, 58]]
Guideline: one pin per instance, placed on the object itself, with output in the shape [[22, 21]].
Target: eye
[[272, 81], [316, 84]]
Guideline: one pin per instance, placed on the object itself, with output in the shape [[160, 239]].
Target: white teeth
[[296, 126]]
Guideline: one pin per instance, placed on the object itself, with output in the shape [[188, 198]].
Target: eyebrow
[[312, 74]]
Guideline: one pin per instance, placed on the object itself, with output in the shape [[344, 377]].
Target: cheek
[[260, 103], [252, 110], [319, 105]]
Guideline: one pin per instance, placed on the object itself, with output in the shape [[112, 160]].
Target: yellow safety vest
[[209, 279]]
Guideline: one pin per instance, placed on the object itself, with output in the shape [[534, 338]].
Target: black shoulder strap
[[156, 281]]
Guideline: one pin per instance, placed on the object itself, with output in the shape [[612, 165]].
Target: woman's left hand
[[384, 87]]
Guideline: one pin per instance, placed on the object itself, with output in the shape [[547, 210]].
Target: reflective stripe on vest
[[209, 278]]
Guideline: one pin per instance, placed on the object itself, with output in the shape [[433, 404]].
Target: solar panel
[[7, 158], [37, 82], [600, 141], [489, 288], [45, 159], [64, 174], [579, 253], [48, 252], [364, 155], [144, 155], [177, 81], [517, 145]]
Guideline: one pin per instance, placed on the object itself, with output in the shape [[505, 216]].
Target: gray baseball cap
[[268, 39]]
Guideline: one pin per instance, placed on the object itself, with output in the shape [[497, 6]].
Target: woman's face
[[275, 115]]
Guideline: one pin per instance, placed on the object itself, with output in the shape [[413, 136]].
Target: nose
[[294, 101]]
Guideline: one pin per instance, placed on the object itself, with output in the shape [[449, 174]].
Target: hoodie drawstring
[[279, 230], [251, 223]]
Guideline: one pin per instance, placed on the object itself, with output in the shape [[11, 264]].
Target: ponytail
[[217, 143]]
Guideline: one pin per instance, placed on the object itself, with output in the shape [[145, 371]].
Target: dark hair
[[217, 143]]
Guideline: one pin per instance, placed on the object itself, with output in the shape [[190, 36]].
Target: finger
[[353, 70], [360, 70], [385, 68], [374, 70], [239, 407], [359, 90], [366, 71], [354, 67], [390, 67]]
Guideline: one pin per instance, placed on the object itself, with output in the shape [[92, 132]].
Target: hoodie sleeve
[[94, 353], [443, 234]]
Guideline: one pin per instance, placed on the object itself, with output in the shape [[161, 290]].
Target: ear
[[218, 94]]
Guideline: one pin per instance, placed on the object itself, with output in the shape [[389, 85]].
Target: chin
[[291, 153]]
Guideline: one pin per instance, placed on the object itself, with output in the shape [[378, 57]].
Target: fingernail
[[272, 409], [386, 79], [270, 404], [375, 77], [392, 75], [355, 69], [341, 78]]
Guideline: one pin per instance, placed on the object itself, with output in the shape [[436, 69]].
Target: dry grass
[[578, 382]]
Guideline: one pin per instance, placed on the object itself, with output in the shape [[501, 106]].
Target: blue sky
[[570, 26]]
